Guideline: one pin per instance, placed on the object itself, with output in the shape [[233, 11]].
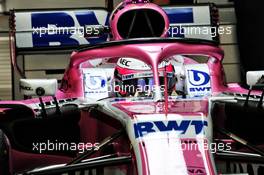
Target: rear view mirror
[[38, 87], [255, 79]]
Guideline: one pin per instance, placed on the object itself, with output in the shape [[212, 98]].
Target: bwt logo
[[144, 128], [198, 78], [95, 82]]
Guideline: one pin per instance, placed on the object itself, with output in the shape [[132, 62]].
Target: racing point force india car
[[182, 118]]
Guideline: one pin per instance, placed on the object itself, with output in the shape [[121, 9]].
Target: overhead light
[[2, 6]]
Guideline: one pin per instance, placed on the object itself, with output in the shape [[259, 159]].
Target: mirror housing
[[255, 79], [38, 87]]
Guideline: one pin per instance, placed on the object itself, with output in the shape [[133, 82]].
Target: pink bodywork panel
[[184, 108]]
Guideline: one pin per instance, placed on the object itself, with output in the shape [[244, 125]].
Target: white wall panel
[[231, 38], [232, 73], [231, 54], [5, 70], [42, 74], [227, 15], [229, 41], [37, 62], [219, 2]]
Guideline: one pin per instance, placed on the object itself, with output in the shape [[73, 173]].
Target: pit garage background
[[52, 66]]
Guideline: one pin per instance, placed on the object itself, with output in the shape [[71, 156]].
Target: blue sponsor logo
[[198, 78], [95, 82], [144, 128], [64, 20], [179, 15]]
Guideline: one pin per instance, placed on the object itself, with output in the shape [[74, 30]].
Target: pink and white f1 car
[[142, 103]]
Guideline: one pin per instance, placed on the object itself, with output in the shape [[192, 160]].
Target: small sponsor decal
[[198, 80], [143, 128]]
